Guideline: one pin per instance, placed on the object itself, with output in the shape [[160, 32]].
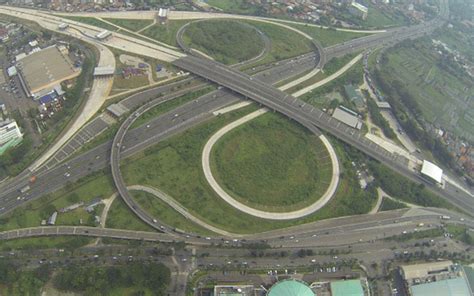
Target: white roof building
[[10, 135], [431, 171], [12, 71]]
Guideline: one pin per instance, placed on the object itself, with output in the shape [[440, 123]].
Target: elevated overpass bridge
[[308, 116]]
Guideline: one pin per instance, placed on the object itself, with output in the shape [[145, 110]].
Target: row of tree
[[97, 280]]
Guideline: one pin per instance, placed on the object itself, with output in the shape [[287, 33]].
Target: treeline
[[96, 280], [377, 118], [14, 281]]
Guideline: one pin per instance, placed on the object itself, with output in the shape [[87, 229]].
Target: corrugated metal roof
[[422, 270], [347, 118]]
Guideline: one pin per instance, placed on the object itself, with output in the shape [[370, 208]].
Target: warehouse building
[[347, 116], [435, 278], [10, 135], [431, 172], [45, 69]]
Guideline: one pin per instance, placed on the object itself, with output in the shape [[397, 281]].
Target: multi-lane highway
[[311, 117], [53, 178], [193, 113]]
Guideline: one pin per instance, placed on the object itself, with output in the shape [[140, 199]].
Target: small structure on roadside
[[52, 218], [348, 117]]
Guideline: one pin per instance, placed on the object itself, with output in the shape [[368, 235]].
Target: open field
[[326, 37], [284, 42], [227, 41], [121, 217], [34, 243], [174, 167], [132, 25], [272, 164], [165, 33], [233, 6], [165, 213], [445, 99], [390, 204]]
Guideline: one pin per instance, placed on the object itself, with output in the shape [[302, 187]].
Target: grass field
[[326, 37], [174, 166], [390, 204], [444, 98], [284, 42], [272, 164], [121, 217], [132, 25], [226, 41], [92, 21], [165, 33], [34, 243], [233, 6], [165, 213]]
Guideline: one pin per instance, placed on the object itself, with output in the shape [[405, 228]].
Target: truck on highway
[[445, 217], [25, 189]]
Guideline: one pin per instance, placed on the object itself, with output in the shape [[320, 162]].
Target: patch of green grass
[[329, 68], [284, 42], [429, 233], [165, 213], [390, 204], [174, 167], [439, 90], [227, 41], [35, 243], [121, 217], [326, 37], [165, 33], [92, 21], [233, 6], [130, 24], [97, 185], [272, 163]]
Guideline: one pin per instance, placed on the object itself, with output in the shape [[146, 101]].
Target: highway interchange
[[195, 112]]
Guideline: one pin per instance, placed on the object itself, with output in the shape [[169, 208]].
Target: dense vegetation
[[227, 41], [272, 163], [401, 188], [96, 280], [377, 118], [14, 281]]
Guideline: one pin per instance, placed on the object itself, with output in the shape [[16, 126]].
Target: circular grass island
[[272, 164], [226, 41]]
